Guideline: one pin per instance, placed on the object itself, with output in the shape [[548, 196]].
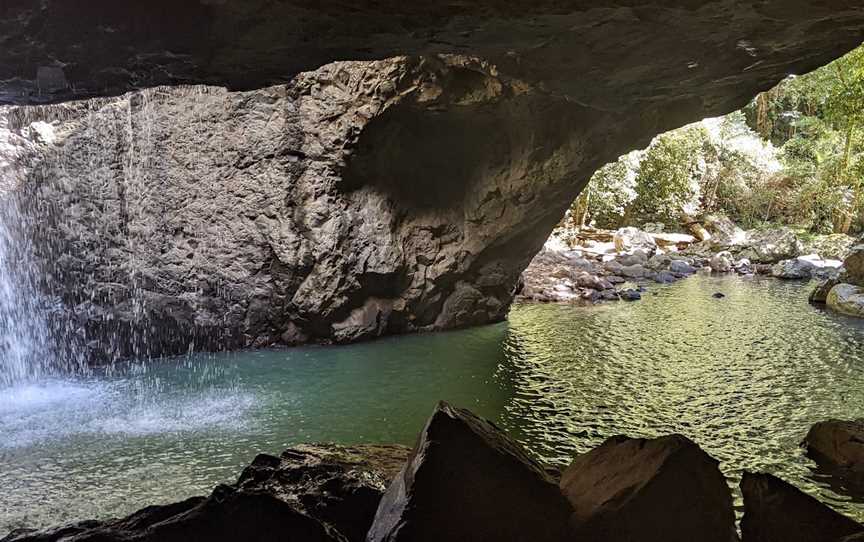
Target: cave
[[228, 175]]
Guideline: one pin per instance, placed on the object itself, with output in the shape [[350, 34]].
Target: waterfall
[[28, 349]]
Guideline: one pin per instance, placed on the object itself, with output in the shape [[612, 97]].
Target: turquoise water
[[743, 376]]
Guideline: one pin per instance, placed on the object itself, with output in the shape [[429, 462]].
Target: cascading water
[[28, 345], [25, 349]]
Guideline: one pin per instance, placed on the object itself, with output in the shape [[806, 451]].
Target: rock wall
[[361, 198]]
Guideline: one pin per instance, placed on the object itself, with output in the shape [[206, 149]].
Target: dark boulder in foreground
[[312, 492], [467, 481], [775, 511], [338, 485], [226, 515], [665, 489]]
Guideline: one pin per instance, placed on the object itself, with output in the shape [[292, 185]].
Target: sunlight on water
[[744, 377]]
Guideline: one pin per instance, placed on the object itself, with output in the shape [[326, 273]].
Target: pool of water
[[743, 376]]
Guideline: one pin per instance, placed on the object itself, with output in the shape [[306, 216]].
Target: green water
[[743, 376]]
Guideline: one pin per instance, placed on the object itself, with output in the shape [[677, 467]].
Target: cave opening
[[229, 227]]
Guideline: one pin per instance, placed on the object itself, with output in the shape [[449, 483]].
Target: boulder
[[658, 262], [775, 511], [724, 231], [835, 246], [771, 246], [466, 480], [847, 299], [226, 515], [681, 267], [665, 277], [613, 267], [837, 443], [311, 492], [795, 269], [743, 267], [722, 262], [338, 485], [639, 257], [630, 295], [635, 271], [854, 265], [665, 489], [626, 239], [819, 295]]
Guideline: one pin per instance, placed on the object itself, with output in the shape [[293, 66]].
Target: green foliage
[[816, 122], [610, 193], [665, 187]]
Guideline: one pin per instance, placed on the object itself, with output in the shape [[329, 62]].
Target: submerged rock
[[466, 480], [659, 490], [775, 511], [630, 294]]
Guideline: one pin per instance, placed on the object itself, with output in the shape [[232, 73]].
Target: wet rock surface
[[775, 511], [340, 486], [837, 443], [312, 492], [847, 299], [664, 489], [467, 480], [226, 515]]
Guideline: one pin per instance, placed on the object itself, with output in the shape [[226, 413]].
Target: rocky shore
[[592, 266], [467, 480]]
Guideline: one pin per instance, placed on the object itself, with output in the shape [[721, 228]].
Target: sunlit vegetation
[[793, 156]]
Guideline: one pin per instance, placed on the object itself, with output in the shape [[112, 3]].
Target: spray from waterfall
[[28, 346]]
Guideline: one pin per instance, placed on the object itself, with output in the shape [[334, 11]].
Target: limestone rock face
[[775, 511], [695, 54], [195, 217], [666, 489], [466, 480], [847, 299]]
